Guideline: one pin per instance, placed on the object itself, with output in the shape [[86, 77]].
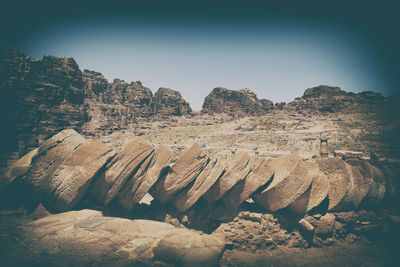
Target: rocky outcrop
[[86, 237], [240, 102], [67, 167], [325, 99], [168, 102], [39, 98]]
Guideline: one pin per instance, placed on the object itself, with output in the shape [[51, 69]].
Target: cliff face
[[244, 101], [39, 98]]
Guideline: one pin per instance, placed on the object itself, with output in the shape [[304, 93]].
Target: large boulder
[[189, 196], [260, 175], [86, 238], [315, 194], [339, 181], [236, 169], [181, 174], [137, 187], [290, 181], [77, 171], [50, 156], [120, 169]]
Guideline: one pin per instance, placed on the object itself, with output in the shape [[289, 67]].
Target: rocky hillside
[[42, 97], [240, 102], [325, 99], [39, 98]]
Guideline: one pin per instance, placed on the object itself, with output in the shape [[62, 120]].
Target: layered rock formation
[[68, 167], [240, 102]]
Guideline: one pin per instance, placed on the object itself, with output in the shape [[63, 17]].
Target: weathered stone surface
[[181, 174], [358, 189], [240, 102], [236, 169], [290, 181], [315, 194], [39, 212], [86, 237], [325, 225], [137, 187], [366, 170], [51, 155], [73, 176], [39, 99], [260, 175], [339, 180], [18, 169], [169, 102], [188, 197], [120, 169]]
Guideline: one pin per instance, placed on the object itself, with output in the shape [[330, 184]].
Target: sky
[[275, 48]]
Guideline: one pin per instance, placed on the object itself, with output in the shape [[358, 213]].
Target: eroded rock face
[[240, 102], [169, 102], [39, 99], [86, 237]]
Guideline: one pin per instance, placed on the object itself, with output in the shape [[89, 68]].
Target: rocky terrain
[[137, 178]]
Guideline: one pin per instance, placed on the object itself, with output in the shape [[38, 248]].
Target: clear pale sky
[[276, 52]]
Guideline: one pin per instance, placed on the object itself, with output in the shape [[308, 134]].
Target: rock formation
[[39, 98], [325, 99], [43, 97], [86, 237], [68, 167], [169, 102], [240, 102]]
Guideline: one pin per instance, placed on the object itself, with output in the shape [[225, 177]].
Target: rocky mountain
[[39, 98], [170, 102], [325, 99], [235, 102], [42, 97]]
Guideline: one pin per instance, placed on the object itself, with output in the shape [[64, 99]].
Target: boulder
[[189, 196], [339, 180], [86, 238], [73, 177], [236, 169], [358, 189], [373, 178], [260, 175], [50, 156], [120, 169], [181, 174], [290, 181], [137, 187], [315, 194], [18, 169]]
